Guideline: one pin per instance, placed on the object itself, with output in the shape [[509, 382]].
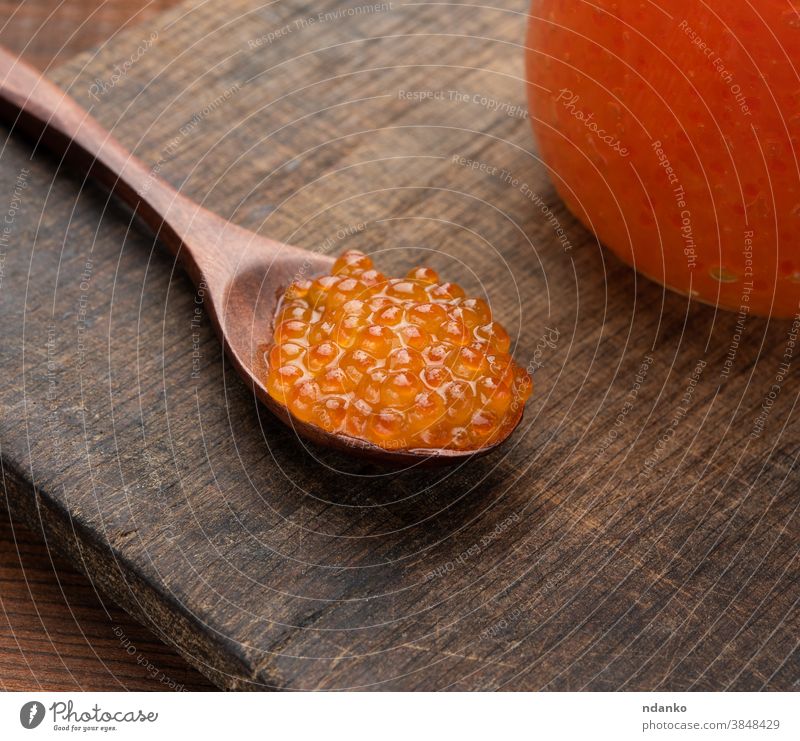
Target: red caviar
[[672, 130], [402, 363]]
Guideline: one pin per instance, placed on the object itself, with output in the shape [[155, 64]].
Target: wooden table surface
[[633, 534], [48, 32], [56, 632]]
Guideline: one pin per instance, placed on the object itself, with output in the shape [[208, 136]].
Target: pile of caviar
[[402, 363]]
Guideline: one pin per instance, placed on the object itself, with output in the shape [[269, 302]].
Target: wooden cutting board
[[639, 531]]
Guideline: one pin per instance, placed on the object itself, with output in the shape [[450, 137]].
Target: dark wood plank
[[58, 634], [55, 633], [597, 550]]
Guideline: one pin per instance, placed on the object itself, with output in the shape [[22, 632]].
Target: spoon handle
[[36, 106]]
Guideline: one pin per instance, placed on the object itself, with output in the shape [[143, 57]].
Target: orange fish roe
[[402, 363]]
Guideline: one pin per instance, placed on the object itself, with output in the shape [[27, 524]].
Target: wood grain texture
[[633, 535], [49, 32], [56, 633]]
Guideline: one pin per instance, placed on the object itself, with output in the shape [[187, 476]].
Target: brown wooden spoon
[[241, 274]]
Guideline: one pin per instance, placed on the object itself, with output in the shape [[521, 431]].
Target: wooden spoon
[[242, 275]]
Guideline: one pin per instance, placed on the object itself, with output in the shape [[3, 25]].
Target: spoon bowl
[[242, 274], [245, 323]]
